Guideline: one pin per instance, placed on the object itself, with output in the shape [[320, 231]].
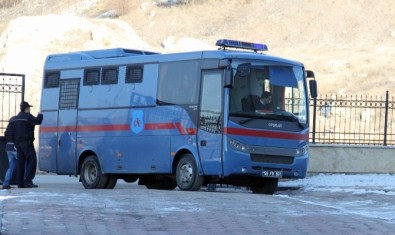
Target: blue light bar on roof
[[224, 43]]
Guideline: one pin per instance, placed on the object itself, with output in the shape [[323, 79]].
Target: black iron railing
[[12, 90], [352, 119]]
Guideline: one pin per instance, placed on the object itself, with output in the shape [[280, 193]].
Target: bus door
[[210, 123], [67, 126]]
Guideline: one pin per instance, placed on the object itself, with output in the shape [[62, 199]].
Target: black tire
[[112, 181], [91, 174], [168, 183], [187, 175], [265, 186], [172, 184], [165, 183], [130, 179]]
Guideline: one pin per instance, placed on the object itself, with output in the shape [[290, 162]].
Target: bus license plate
[[272, 173]]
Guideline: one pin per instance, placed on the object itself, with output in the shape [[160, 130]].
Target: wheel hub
[[186, 172], [91, 173]]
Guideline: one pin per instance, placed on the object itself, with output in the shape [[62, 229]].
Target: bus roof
[[117, 56]]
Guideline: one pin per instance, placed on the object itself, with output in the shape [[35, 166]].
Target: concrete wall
[[351, 159]]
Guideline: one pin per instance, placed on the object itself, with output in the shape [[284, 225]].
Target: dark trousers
[[27, 162]]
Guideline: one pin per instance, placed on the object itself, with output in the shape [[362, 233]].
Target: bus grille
[[271, 159]]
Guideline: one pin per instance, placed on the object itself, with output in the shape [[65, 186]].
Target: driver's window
[[211, 102]]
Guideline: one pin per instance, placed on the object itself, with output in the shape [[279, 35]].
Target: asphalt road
[[60, 205]]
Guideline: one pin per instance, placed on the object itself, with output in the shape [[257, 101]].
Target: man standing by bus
[[24, 138]]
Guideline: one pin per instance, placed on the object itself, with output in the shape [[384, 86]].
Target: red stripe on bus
[[84, 128], [180, 128], [148, 127], [158, 126], [67, 128], [191, 131], [104, 128], [48, 129], [267, 134]]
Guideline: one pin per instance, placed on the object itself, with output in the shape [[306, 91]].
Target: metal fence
[[12, 89], [348, 119]]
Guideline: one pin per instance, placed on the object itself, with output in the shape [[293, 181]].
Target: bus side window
[[69, 93], [134, 74], [178, 83], [51, 79], [91, 77], [109, 76]]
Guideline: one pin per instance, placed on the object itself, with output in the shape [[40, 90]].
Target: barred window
[[92, 77], [69, 90], [51, 79], [134, 74], [109, 76]]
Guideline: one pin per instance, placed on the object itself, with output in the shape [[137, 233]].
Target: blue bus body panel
[[48, 142], [211, 153], [138, 140], [130, 154]]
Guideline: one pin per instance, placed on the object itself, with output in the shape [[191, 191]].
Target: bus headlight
[[238, 146], [302, 151]]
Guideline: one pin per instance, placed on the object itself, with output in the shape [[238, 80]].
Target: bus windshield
[[268, 91]]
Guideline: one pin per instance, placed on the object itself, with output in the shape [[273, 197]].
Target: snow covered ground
[[351, 183], [361, 195], [331, 203]]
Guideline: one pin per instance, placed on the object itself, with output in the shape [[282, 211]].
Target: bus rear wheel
[[187, 176], [91, 174], [265, 186]]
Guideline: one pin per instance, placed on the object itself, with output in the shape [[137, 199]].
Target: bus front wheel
[[187, 176], [91, 174], [112, 181]]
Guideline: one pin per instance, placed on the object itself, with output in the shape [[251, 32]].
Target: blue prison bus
[[175, 120]]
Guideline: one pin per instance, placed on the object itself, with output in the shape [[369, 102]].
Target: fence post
[[314, 117], [386, 118], [23, 87]]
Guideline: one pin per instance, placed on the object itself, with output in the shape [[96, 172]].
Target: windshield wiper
[[249, 117], [247, 120], [290, 117]]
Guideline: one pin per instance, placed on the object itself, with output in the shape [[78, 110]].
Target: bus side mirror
[[312, 84], [313, 88], [310, 74], [228, 79]]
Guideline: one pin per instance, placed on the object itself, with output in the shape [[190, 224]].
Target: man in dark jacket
[[264, 103], [24, 138]]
